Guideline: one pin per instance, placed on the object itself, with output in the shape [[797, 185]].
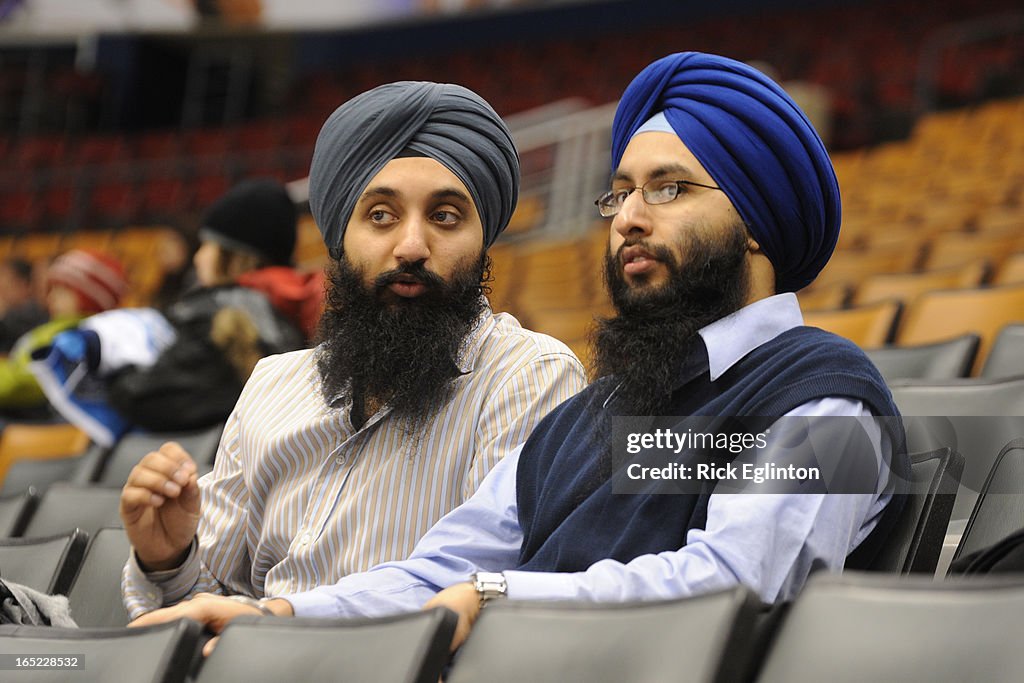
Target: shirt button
[[305, 539], [340, 460]]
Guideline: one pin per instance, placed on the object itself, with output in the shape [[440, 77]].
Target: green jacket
[[18, 387]]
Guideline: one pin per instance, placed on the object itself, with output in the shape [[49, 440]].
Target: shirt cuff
[[174, 583], [139, 594], [539, 585], [312, 604]]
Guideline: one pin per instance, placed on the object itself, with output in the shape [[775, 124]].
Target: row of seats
[[853, 627], [958, 464], [989, 314], [37, 455]]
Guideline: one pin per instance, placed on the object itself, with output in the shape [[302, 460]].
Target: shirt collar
[[731, 338]]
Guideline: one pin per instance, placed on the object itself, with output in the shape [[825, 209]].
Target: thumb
[[210, 644], [189, 497]]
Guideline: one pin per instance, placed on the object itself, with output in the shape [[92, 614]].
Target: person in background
[[228, 322], [175, 252], [20, 311], [79, 283]]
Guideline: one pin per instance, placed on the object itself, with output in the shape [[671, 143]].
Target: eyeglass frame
[[643, 193]]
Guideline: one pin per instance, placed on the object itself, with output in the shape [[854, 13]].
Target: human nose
[[412, 243], [633, 217]]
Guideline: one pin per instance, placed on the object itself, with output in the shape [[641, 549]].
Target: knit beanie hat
[[255, 216], [96, 278]]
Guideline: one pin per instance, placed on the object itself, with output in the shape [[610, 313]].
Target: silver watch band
[[489, 586]]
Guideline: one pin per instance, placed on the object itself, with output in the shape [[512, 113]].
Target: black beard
[[383, 349], [645, 344]]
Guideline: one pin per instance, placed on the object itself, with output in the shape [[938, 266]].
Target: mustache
[[658, 251], [417, 271]]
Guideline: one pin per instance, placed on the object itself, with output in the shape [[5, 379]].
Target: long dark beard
[[387, 350], [646, 343]]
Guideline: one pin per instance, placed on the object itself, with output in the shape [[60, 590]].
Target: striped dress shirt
[[299, 498]]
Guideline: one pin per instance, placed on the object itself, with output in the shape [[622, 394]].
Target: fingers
[[160, 616], [162, 474], [197, 609], [462, 599]]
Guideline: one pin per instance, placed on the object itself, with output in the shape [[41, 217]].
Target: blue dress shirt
[[768, 542]]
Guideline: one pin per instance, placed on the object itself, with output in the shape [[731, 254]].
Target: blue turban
[[758, 146], [445, 122]]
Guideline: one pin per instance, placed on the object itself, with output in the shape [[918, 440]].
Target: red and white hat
[[97, 278]]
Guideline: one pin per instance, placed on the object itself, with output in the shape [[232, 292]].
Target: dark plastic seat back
[[974, 417], [132, 447], [871, 627], [15, 511], [942, 360], [1007, 356], [1000, 507], [915, 543], [95, 595], [155, 654], [45, 564], [411, 648], [67, 506], [704, 638]]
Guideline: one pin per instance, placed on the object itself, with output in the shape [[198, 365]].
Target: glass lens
[[660, 192]]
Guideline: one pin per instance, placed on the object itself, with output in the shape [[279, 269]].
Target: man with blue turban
[[339, 458], [723, 201]]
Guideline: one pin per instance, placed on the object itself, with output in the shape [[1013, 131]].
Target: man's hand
[[160, 507], [214, 612], [463, 599]]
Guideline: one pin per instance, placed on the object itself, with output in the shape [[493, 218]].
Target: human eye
[[618, 196], [446, 217], [662, 191], [381, 216]]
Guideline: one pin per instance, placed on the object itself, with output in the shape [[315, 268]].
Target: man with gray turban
[[339, 458], [722, 202]]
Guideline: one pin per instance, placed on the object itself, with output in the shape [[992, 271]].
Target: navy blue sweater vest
[[571, 519]]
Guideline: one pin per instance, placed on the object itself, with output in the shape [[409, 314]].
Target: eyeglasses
[[654, 192]]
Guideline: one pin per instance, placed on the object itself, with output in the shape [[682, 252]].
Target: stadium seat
[[39, 441], [703, 638], [868, 627], [915, 543], [942, 360], [1000, 507], [15, 511], [937, 316], [95, 595], [411, 648], [126, 453], [957, 248], [975, 417], [908, 286], [823, 298], [1006, 359], [1011, 272], [45, 564], [66, 506], [154, 654], [866, 326], [40, 474], [851, 265]]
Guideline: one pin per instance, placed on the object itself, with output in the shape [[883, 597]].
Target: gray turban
[[445, 122]]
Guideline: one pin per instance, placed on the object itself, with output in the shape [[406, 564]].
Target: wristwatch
[[253, 602], [489, 586]]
